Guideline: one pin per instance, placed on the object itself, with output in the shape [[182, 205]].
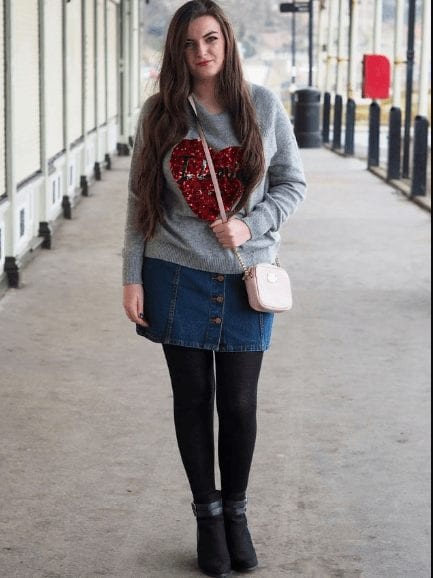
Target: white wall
[[63, 87]]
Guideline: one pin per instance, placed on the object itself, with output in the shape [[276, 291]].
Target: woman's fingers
[[216, 224], [231, 234], [133, 302]]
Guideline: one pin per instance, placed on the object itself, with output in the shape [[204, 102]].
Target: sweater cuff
[[257, 224]]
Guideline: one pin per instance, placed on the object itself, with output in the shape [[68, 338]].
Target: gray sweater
[[186, 238]]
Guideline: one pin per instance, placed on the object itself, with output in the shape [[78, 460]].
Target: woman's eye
[[212, 39]]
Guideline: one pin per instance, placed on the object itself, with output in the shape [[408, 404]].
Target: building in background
[[70, 82]]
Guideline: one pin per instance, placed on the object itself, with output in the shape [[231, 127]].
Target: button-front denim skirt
[[202, 310]]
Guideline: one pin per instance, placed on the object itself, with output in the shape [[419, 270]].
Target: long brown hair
[[167, 120]]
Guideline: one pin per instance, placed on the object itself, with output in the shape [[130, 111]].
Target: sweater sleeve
[[133, 248], [286, 185]]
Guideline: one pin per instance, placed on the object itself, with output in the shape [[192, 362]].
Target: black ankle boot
[[212, 551], [242, 553]]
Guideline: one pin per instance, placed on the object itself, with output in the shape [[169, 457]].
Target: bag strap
[[247, 270], [215, 179], [209, 163]]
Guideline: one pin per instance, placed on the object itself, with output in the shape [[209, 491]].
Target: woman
[[183, 284]]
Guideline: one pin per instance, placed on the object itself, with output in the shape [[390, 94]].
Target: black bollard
[[12, 268], [394, 144], [84, 186], [67, 207], [326, 117], [349, 143], [338, 117], [45, 231], [420, 147], [97, 171], [123, 149], [374, 135]]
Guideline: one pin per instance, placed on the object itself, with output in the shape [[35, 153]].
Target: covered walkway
[[90, 479]]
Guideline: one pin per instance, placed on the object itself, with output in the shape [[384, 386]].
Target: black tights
[[193, 382]]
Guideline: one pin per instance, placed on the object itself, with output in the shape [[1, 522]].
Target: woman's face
[[205, 48]]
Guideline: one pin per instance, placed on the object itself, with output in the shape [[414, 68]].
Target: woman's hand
[[133, 304], [231, 234]]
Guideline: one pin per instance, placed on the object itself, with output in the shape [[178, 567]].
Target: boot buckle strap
[[236, 508], [207, 510]]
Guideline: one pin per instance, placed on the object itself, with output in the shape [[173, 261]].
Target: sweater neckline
[[207, 112]]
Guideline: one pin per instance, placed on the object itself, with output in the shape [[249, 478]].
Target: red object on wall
[[376, 78]]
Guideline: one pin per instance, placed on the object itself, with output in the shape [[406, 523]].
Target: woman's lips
[[204, 63]]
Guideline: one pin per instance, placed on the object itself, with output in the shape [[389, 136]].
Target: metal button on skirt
[[192, 308]]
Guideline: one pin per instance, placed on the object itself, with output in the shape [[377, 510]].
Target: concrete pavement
[[90, 479]]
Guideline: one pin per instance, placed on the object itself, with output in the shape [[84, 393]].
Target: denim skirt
[[202, 310]]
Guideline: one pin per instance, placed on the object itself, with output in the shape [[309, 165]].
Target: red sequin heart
[[191, 173]]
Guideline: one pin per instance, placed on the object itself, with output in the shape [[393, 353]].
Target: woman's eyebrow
[[204, 36]]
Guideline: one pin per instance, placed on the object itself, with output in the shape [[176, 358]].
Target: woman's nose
[[201, 49]]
